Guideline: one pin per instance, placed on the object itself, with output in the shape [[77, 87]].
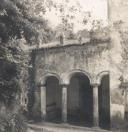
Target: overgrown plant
[[13, 61], [18, 28]]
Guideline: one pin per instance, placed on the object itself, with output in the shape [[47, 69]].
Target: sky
[[98, 9]]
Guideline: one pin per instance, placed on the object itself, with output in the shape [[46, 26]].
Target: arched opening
[[53, 100], [104, 103], [80, 100]]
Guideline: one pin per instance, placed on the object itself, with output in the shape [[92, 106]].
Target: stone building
[[78, 82]]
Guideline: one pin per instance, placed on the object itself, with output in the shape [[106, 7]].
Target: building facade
[[78, 82], [72, 83]]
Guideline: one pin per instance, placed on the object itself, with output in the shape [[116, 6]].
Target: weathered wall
[[61, 60], [90, 57], [118, 22]]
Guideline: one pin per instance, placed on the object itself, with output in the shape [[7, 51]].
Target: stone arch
[[45, 77], [100, 76], [68, 75], [103, 79], [51, 97], [80, 98]]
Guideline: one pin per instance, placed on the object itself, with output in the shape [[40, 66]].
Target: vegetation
[[18, 27]]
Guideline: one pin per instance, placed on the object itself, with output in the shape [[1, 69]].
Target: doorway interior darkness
[[80, 101], [104, 103], [53, 100]]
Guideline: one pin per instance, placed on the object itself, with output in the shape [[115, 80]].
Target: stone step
[[50, 127]]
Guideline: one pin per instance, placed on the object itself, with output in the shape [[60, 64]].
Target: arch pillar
[[42, 83], [43, 102], [95, 105], [66, 81], [100, 75], [64, 102]]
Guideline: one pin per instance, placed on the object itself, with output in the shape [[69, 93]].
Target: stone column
[[36, 105], [43, 102], [64, 103], [95, 106]]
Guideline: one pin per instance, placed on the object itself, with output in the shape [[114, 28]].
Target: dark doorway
[[104, 103], [53, 100], [80, 101]]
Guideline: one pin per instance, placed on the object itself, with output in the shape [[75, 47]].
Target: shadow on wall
[[53, 100], [104, 103]]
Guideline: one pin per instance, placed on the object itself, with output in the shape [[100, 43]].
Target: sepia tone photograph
[[63, 66]]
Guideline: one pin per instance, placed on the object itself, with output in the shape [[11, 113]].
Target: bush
[[10, 122]]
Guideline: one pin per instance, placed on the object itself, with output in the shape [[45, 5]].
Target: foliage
[[17, 29], [12, 123], [16, 20], [13, 61], [69, 15]]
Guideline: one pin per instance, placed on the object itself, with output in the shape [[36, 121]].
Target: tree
[[67, 13], [17, 19], [18, 27]]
